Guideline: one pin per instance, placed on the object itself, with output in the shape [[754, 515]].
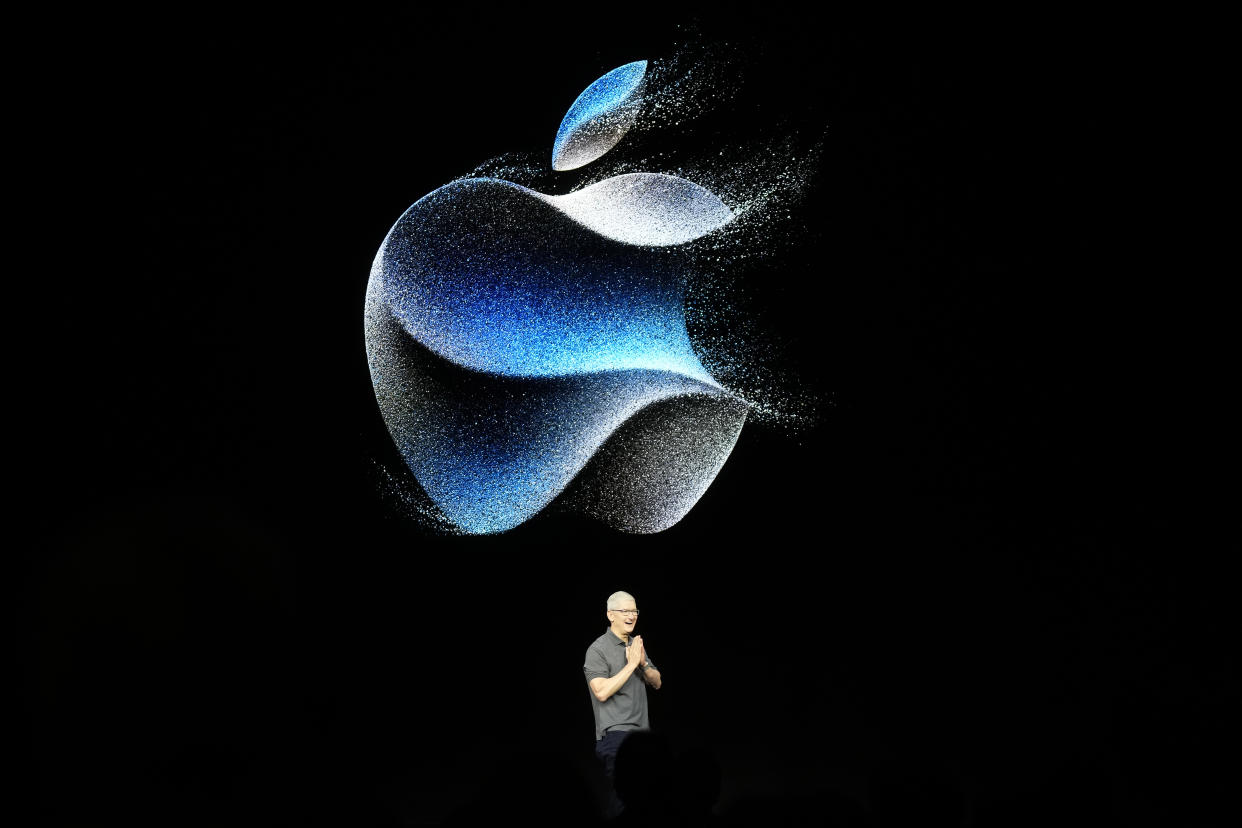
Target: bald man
[[618, 698]]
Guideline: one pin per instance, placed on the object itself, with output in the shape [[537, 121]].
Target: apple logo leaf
[[600, 117]]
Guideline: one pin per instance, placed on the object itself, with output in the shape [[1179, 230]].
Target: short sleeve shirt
[[625, 709]]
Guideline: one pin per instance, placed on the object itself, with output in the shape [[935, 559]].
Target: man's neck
[[620, 635]]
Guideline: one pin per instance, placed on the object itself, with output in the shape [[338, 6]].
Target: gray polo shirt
[[625, 709]]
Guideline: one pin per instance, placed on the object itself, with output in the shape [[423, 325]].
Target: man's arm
[[645, 668], [652, 676], [603, 688], [648, 670]]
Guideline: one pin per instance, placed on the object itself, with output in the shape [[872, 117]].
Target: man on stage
[[617, 698]]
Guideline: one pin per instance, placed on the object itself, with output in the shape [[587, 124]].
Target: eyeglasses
[[627, 612]]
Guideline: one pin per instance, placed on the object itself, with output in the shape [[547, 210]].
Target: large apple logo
[[525, 347]]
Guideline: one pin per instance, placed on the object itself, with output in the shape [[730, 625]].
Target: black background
[[973, 562]]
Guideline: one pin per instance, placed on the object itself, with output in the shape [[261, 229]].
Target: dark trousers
[[606, 750]]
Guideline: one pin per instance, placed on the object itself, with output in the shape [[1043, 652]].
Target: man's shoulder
[[602, 642]]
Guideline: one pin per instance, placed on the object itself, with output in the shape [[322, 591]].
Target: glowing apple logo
[[522, 344]]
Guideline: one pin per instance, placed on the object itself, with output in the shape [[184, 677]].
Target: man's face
[[625, 618]]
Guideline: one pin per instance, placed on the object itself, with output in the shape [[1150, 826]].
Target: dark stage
[[970, 574]]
